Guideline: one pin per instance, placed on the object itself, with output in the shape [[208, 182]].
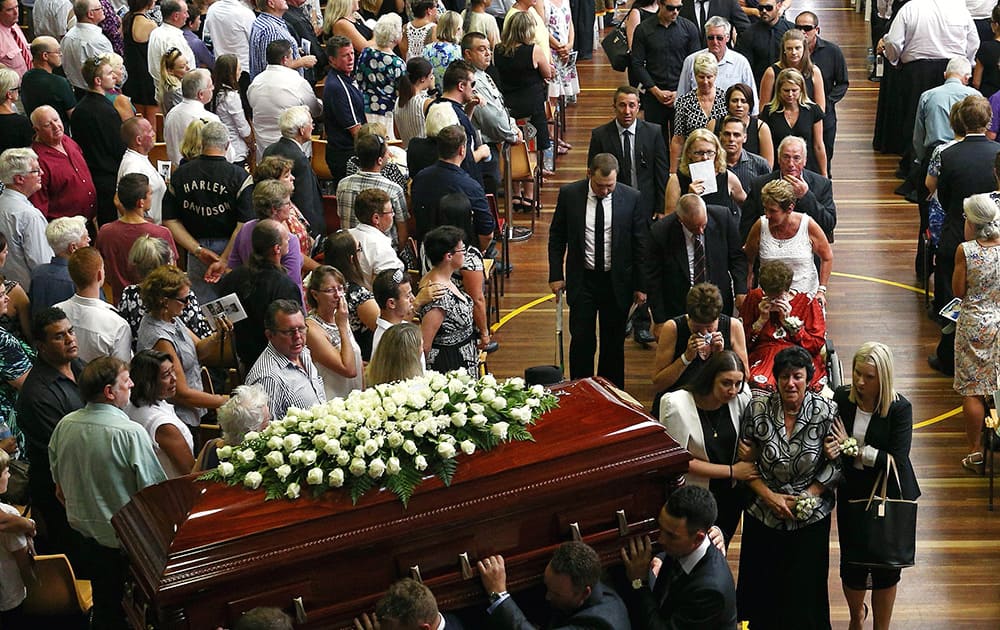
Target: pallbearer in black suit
[[599, 231], [642, 157], [694, 587], [407, 605]]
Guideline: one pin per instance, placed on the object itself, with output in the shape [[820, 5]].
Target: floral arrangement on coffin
[[389, 435]]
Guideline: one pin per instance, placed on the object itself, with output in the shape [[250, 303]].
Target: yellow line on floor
[[879, 281], [936, 419], [520, 309]]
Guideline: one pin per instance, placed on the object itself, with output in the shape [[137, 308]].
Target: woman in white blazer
[[704, 418]]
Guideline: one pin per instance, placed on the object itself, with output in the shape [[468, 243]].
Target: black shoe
[[938, 366], [644, 337]]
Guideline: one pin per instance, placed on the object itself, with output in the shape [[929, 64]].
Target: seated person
[[687, 342], [775, 317]]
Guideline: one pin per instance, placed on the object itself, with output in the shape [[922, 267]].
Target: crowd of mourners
[[173, 220]]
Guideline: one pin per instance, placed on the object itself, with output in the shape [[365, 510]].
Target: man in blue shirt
[[268, 27], [343, 106]]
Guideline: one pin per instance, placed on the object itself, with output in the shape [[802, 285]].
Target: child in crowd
[[15, 562]]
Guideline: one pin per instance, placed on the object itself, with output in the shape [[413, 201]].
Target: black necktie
[[625, 173], [599, 235], [701, 13], [699, 260]]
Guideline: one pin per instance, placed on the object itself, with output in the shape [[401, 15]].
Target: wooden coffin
[[203, 553]]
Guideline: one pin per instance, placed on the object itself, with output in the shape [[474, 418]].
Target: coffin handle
[[623, 528], [415, 573], [463, 560], [300, 610], [574, 529]]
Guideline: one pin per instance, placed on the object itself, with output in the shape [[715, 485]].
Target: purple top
[[242, 248], [995, 106]]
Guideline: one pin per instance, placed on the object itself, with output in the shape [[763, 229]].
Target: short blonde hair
[[780, 192], [449, 27], [705, 136], [706, 64]]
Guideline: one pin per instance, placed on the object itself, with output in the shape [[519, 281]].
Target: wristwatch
[[495, 597], [638, 583]]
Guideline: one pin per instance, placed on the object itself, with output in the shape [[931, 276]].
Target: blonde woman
[[173, 67], [694, 109], [540, 34], [792, 113], [701, 146], [445, 48], [794, 54], [123, 104], [398, 356], [342, 18]]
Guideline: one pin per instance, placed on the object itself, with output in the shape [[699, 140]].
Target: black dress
[[139, 85], [803, 128], [524, 89], [683, 334], [15, 132], [989, 56], [720, 197], [720, 445]]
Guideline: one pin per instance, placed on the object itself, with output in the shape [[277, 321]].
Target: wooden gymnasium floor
[[873, 296]]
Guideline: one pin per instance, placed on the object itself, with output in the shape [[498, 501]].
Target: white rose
[[358, 467], [226, 469], [274, 459], [489, 380], [439, 401], [420, 462], [371, 447], [410, 447], [499, 403], [320, 441], [283, 471], [305, 427], [395, 439], [225, 452], [246, 455], [399, 397], [359, 450], [487, 395], [478, 420], [376, 468], [476, 407], [334, 429], [421, 428], [293, 490], [521, 414], [446, 450], [332, 447], [308, 458], [406, 426], [251, 435], [392, 467], [253, 480], [533, 402], [292, 441], [274, 442], [389, 407], [362, 434], [516, 381], [314, 477], [438, 380], [500, 430], [416, 401], [468, 447], [343, 457], [295, 458], [455, 386], [537, 390], [335, 478], [458, 419], [276, 428]]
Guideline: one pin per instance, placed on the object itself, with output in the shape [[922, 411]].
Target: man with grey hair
[[932, 126], [733, 67], [202, 209], [296, 125], [21, 222], [196, 90], [50, 283], [84, 41], [166, 36], [277, 89], [701, 12], [40, 86]]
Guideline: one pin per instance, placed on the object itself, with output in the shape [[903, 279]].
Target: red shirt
[[114, 240], [67, 186]]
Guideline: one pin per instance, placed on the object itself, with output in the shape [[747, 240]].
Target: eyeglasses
[[183, 300], [715, 38], [34, 171], [331, 290], [805, 28], [471, 82], [292, 332], [53, 52], [703, 154], [458, 251]]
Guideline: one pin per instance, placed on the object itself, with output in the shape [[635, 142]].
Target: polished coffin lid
[[202, 544]]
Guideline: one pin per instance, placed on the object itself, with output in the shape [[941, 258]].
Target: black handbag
[[615, 45], [883, 530]]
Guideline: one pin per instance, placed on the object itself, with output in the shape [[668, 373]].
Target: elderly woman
[[704, 418], [703, 146], [15, 128], [687, 342], [379, 69], [694, 109], [341, 252], [739, 103], [398, 356], [444, 49], [341, 18], [785, 552], [247, 410], [276, 167], [791, 237], [423, 152], [792, 113], [412, 99], [154, 379], [146, 254], [881, 420], [271, 200], [332, 345], [165, 292], [446, 322], [776, 316], [977, 336], [795, 55]]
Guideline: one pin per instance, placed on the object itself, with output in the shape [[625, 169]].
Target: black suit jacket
[[965, 171], [651, 161], [729, 9], [817, 203], [628, 236], [306, 195], [705, 599], [666, 264], [603, 610]]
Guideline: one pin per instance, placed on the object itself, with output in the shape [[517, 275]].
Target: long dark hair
[[417, 68], [341, 251], [224, 78], [704, 380]]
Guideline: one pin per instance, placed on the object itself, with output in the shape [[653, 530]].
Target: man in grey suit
[[575, 593], [644, 167], [602, 276]]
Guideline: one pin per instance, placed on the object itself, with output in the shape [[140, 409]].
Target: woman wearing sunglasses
[[704, 418]]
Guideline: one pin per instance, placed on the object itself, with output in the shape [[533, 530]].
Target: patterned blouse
[[377, 73], [454, 345], [689, 116], [441, 54], [15, 360], [789, 465]]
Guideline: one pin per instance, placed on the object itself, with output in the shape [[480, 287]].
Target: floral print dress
[[977, 334], [441, 54], [560, 21], [454, 346], [377, 74]]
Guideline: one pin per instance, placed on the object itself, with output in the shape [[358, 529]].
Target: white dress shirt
[[690, 561], [135, 162], [227, 25], [980, 9], [621, 141], [588, 231], [734, 68], [689, 239], [82, 42], [24, 226], [271, 93], [930, 29], [100, 330], [53, 17], [376, 253], [161, 39], [176, 123]]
